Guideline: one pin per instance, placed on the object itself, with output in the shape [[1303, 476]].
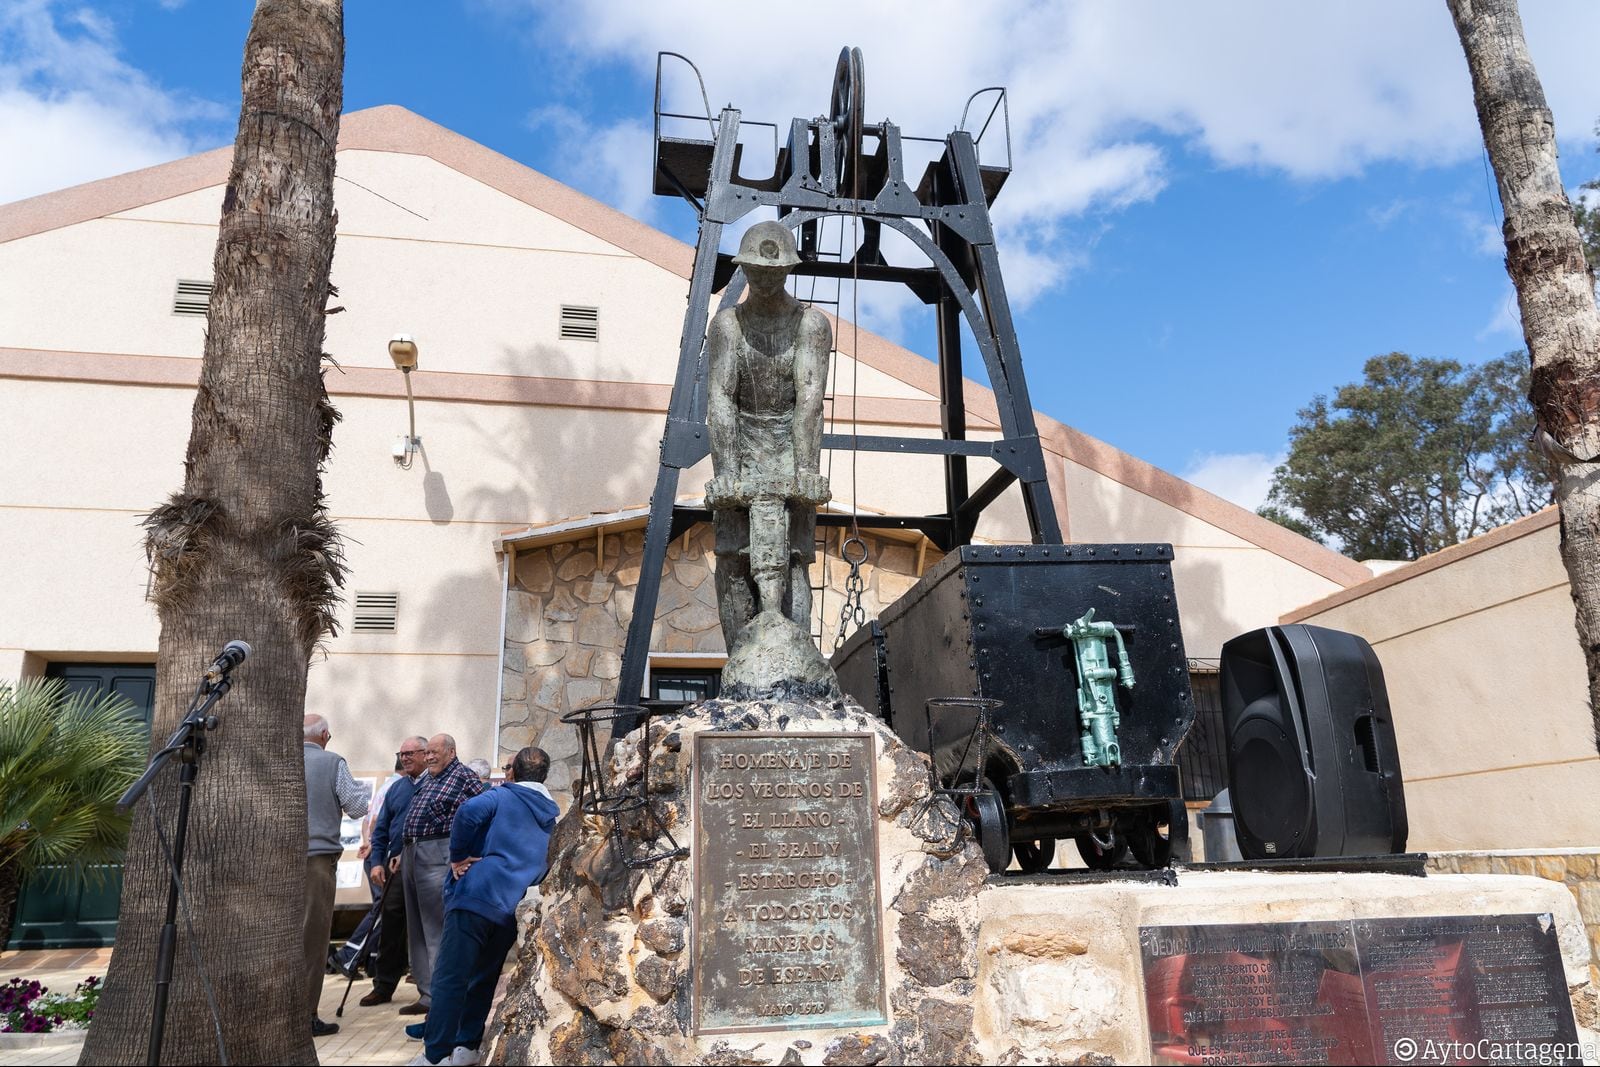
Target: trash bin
[[1216, 830]]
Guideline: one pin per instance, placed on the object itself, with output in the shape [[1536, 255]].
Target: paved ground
[[366, 1035]]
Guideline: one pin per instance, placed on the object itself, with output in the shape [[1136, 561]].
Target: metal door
[[57, 909]]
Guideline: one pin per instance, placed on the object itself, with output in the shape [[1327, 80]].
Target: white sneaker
[[462, 1056]]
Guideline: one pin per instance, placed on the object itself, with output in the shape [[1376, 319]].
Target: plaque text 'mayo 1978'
[[788, 931]]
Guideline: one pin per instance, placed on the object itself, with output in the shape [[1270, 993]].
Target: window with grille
[[1203, 756], [376, 613], [580, 323], [191, 298]]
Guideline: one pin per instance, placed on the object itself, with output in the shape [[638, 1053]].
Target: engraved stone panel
[[788, 927], [1444, 989]]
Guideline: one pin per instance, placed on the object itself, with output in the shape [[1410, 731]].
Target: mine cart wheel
[[1096, 856], [1035, 856], [993, 834], [1156, 836]]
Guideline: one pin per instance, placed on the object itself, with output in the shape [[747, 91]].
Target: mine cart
[[1050, 686]]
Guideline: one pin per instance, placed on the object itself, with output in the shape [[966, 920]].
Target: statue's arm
[[810, 383], [721, 384]]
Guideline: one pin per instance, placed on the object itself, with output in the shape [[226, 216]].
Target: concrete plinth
[[1060, 974]]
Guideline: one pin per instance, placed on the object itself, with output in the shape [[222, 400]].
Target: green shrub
[[65, 758]]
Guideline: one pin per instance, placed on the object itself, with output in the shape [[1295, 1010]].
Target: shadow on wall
[[571, 461], [575, 461], [1210, 615], [436, 494]]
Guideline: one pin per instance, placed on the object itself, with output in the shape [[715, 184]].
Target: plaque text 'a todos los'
[[787, 922]]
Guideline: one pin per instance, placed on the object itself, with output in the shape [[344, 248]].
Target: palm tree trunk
[[1555, 290], [246, 551]]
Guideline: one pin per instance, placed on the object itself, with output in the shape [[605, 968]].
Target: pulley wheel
[[1035, 856], [993, 835], [1098, 857], [847, 106]]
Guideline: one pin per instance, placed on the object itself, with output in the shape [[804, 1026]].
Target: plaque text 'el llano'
[[788, 930]]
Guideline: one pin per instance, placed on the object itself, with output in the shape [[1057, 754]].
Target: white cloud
[[1241, 477], [1506, 321], [1393, 211], [1487, 237], [1099, 93], [610, 157], [73, 111]]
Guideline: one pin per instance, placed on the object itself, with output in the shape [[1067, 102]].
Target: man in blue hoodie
[[499, 845]]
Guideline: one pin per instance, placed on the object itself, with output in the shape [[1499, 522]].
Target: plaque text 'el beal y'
[[787, 921]]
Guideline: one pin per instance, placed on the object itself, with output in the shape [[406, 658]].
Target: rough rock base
[[605, 978]]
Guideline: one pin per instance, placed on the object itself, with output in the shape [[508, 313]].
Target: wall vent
[[376, 613], [192, 298], [580, 324]]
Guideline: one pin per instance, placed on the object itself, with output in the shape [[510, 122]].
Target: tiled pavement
[[366, 1035]]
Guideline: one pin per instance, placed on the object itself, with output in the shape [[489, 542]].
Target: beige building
[[1488, 690], [491, 583], [548, 326]]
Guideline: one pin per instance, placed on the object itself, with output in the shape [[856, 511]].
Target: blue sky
[[1216, 212]]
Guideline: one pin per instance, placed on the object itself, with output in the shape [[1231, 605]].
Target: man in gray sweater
[[330, 791]]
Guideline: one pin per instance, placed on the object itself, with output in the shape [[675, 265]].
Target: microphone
[[233, 653]]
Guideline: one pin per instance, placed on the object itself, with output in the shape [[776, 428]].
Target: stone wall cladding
[[567, 616], [1576, 868]]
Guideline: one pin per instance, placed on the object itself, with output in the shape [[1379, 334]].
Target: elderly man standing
[[331, 791], [499, 847], [383, 863], [425, 862]]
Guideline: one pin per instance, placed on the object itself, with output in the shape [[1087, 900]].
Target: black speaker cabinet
[[1313, 769]]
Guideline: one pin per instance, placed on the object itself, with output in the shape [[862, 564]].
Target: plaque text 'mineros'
[[787, 922]]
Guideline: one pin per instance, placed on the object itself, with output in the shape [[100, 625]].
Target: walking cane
[[363, 955]]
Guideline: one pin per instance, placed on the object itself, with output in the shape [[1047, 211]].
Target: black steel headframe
[[824, 169]]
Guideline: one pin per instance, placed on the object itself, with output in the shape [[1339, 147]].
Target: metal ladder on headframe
[[823, 171]]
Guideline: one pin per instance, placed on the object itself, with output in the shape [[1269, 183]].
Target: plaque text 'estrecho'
[[787, 922]]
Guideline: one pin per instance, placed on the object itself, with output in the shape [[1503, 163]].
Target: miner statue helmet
[[768, 244]]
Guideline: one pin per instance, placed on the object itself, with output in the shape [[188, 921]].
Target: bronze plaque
[[788, 930], [1437, 989]]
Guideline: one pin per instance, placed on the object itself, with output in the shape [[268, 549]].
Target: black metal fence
[[1203, 756]]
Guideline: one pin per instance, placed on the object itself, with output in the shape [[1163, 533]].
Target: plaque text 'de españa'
[[788, 931]]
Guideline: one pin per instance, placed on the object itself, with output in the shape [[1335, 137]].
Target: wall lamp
[[403, 350]]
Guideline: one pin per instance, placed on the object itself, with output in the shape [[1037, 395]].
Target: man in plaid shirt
[[425, 863]]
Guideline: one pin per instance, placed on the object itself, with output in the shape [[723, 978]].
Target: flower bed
[[27, 1007]]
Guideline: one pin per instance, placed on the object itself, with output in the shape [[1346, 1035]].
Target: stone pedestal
[[972, 970], [606, 974]]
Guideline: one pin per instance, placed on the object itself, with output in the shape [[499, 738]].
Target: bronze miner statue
[[768, 360]]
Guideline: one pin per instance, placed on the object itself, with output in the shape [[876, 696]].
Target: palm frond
[[65, 758]]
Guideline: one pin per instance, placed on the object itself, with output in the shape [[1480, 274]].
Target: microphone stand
[[187, 743]]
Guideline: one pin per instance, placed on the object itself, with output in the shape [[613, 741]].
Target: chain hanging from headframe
[[848, 112], [852, 613]]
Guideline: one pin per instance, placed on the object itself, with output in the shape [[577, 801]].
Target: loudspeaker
[[1313, 769]]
